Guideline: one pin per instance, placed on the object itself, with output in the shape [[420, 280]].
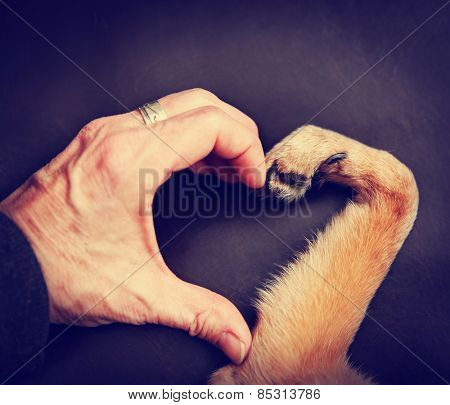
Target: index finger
[[178, 103], [191, 136]]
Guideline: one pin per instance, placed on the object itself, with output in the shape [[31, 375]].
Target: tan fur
[[309, 315]]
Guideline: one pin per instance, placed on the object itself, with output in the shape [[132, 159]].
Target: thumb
[[209, 316]]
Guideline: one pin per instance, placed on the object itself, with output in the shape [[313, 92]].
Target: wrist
[[37, 209]]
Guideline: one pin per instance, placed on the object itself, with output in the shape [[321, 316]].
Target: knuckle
[[204, 321], [92, 127], [211, 114], [109, 153], [107, 161], [205, 94], [212, 118], [197, 326]]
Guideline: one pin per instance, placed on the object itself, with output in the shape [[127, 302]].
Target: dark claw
[[273, 170], [291, 179], [335, 158]]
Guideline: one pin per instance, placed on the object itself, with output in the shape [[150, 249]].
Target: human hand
[[99, 256]]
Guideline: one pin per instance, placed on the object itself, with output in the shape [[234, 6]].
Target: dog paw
[[309, 154]]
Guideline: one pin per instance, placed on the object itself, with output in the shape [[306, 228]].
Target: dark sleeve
[[24, 319]]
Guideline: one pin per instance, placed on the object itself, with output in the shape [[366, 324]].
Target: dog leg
[[309, 315]]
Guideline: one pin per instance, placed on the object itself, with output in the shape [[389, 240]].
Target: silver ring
[[152, 112]]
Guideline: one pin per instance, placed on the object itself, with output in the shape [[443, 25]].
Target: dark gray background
[[280, 62]]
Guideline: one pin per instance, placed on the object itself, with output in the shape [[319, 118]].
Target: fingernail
[[233, 347]]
